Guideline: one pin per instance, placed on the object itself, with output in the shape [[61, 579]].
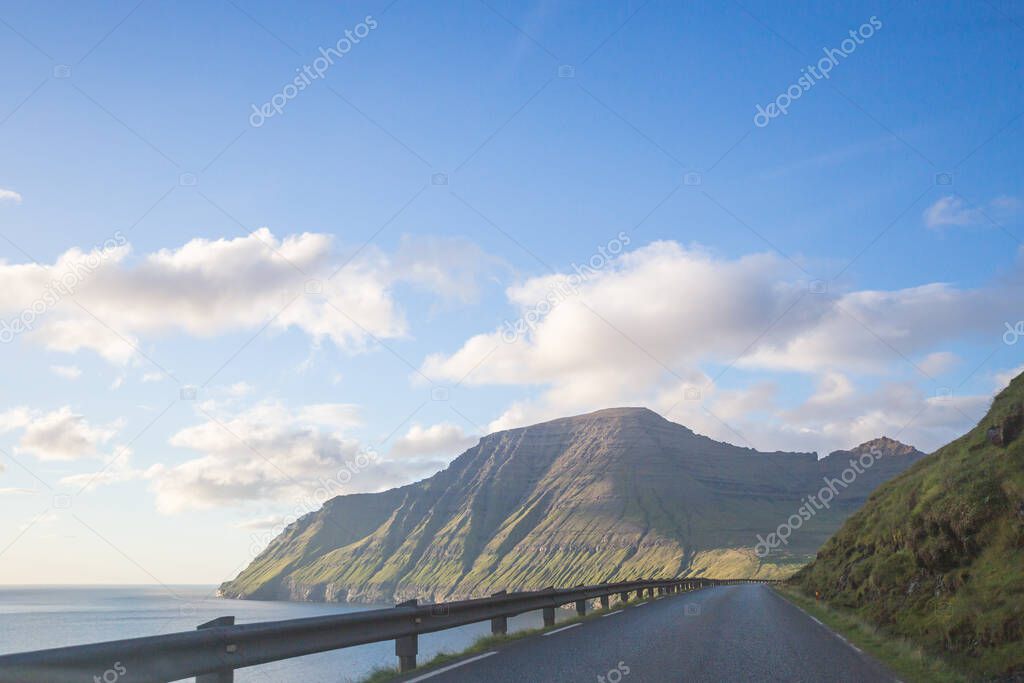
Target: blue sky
[[844, 271]]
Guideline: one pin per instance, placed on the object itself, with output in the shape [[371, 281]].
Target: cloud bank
[[104, 301], [660, 323]]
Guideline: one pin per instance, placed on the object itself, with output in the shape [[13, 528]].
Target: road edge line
[[451, 666]]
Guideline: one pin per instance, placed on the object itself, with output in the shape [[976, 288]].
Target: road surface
[[743, 632]]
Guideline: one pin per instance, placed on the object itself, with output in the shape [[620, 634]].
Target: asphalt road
[[743, 632]]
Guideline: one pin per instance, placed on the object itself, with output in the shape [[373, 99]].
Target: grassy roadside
[[906, 659], [489, 642]]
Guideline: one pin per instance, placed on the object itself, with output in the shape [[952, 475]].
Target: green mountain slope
[[620, 493], [937, 554]]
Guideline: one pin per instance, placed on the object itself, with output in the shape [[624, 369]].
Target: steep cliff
[[614, 494]]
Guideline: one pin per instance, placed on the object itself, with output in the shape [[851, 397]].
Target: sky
[[255, 254]]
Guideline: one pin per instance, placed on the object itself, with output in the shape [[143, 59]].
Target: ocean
[[39, 617]]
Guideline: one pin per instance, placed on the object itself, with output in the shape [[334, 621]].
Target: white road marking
[[859, 651], [829, 629], [611, 613], [849, 643], [450, 667], [557, 630]]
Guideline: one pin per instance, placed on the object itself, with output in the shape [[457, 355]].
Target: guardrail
[[215, 649]]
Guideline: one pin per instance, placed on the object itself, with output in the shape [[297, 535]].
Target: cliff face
[[620, 493], [937, 554]]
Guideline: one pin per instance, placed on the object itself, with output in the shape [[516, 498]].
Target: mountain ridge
[[613, 494]]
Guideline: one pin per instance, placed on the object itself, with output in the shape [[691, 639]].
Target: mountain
[[614, 494], [936, 555]]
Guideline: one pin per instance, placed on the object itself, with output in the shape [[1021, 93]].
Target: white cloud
[[622, 326], [9, 196], [117, 468], [833, 387], [340, 416], [239, 389], [953, 210], [451, 267], [270, 453], [439, 439], [641, 330], [153, 377], [1002, 379], [896, 409], [1005, 203], [263, 523], [939, 363], [14, 491], [267, 452], [839, 414], [625, 328], [211, 287], [71, 372], [869, 331], [15, 418], [58, 435]]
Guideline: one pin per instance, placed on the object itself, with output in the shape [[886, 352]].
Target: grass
[[909, 661], [936, 555], [488, 642]]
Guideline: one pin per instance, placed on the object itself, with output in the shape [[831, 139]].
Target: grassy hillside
[[613, 495], [937, 554]]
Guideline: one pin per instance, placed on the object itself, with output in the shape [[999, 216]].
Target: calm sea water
[[38, 617]]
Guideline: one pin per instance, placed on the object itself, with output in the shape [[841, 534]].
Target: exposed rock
[[1008, 429]]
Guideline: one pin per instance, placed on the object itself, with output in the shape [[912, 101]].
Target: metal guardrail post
[[604, 602], [549, 616], [224, 675], [407, 647], [581, 605], [499, 625], [624, 596]]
